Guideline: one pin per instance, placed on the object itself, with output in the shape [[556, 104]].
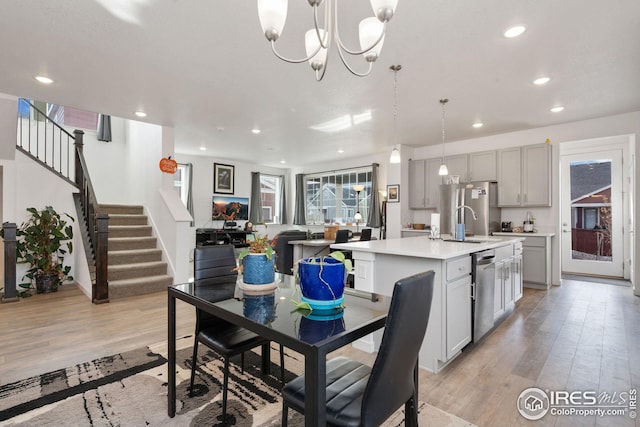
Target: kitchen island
[[379, 264]]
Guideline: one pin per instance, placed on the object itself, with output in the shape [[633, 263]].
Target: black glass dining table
[[270, 313]]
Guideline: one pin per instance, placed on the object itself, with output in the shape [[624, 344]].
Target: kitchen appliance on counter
[[505, 226], [527, 226], [458, 202]]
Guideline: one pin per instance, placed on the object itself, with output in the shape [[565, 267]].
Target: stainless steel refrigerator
[[457, 201]]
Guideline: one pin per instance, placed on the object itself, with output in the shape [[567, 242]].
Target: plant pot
[[257, 269], [46, 283], [322, 281]]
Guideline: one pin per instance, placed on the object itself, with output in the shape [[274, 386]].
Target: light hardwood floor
[[581, 336]]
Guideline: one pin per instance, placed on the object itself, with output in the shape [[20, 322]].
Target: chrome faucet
[[475, 217]]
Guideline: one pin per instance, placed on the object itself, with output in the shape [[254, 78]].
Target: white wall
[[547, 219], [203, 189], [27, 184]]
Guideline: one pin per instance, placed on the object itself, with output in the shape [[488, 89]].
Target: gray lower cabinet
[[458, 305], [516, 277], [536, 269]]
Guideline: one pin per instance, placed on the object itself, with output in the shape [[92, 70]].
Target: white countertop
[[535, 233], [423, 247]]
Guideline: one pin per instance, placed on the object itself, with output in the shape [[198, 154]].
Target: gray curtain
[[190, 192], [255, 210], [374, 205], [299, 213], [283, 201], [104, 128]]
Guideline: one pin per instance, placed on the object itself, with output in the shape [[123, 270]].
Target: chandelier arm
[[346, 64], [327, 18], [355, 52], [292, 61]]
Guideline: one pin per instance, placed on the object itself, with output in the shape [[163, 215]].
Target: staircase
[[135, 263]]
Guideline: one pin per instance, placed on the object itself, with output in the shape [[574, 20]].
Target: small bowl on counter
[[419, 226]]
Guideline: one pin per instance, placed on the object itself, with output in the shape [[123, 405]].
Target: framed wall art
[[223, 178], [393, 193]]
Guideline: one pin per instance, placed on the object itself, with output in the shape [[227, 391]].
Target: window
[[331, 199], [270, 196], [181, 182]]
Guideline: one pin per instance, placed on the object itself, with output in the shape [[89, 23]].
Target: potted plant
[[43, 240], [322, 280], [257, 262]]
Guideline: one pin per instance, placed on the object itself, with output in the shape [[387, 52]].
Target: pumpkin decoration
[[168, 165]]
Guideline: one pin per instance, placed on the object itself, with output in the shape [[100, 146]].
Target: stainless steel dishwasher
[[483, 276]]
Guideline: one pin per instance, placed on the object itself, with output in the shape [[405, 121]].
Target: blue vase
[[257, 269], [322, 281]]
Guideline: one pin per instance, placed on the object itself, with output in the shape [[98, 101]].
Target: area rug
[[130, 389]]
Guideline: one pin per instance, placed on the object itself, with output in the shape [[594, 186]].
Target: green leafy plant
[[43, 240]]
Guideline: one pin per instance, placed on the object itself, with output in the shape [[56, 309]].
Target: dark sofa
[[284, 251]]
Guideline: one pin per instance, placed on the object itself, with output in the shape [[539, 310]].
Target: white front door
[[591, 213]]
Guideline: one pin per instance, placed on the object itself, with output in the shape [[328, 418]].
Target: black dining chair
[[212, 265], [365, 235], [342, 236], [359, 395]]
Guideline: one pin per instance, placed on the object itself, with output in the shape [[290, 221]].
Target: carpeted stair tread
[[129, 243], [134, 256], [121, 209], [132, 271], [129, 231], [138, 286], [125, 219]]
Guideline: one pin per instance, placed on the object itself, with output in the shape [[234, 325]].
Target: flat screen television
[[230, 208]]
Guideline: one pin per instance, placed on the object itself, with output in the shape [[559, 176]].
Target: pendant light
[[395, 153], [443, 168]]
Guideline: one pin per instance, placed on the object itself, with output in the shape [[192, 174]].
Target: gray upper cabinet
[[483, 166], [524, 176], [457, 165], [424, 183]]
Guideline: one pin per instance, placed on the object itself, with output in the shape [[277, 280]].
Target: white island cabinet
[[380, 263]]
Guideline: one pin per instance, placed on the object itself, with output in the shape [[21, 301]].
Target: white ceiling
[[205, 68]]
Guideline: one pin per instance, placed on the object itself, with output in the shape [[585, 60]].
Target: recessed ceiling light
[[557, 109], [141, 114], [255, 131], [340, 150], [514, 31], [203, 148], [283, 161], [541, 81], [477, 125], [44, 80]]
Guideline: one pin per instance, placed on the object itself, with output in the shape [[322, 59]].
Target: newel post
[[9, 230], [101, 289]]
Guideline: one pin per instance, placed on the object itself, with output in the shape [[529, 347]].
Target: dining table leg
[[171, 366], [315, 389]]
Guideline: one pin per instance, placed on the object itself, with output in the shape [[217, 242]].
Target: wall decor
[[230, 208], [223, 178], [393, 193]]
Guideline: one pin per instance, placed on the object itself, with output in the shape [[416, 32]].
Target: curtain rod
[[344, 169]]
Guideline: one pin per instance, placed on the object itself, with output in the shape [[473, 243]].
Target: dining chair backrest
[[213, 262], [365, 235], [342, 236], [397, 357]]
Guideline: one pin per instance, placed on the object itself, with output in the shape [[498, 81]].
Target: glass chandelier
[[443, 168], [273, 14]]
